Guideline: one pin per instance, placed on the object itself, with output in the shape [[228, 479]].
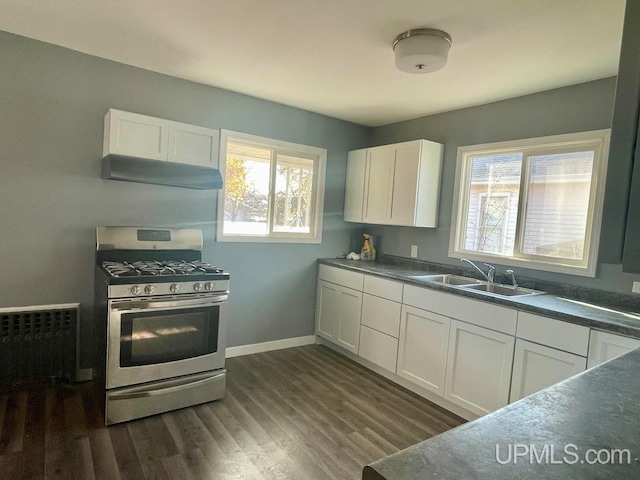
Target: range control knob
[[209, 286], [175, 288], [149, 289], [197, 287], [136, 290]]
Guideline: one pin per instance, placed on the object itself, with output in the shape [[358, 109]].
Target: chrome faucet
[[512, 275], [489, 276]]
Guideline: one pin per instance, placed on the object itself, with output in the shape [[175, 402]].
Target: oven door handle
[[140, 306]]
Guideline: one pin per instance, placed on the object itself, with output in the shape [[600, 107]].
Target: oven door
[[154, 339]]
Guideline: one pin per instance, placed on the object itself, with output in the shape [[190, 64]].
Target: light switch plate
[[636, 287], [414, 252]]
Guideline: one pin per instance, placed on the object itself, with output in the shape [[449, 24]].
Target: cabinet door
[[422, 349], [536, 367], [478, 368], [605, 346], [378, 184], [193, 145], [354, 190], [135, 135], [327, 310], [402, 209], [350, 309], [378, 348]]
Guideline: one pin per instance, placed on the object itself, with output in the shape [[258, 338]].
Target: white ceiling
[[335, 56]]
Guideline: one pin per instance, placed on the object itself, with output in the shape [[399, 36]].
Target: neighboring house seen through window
[[273, 190], [536, 203]]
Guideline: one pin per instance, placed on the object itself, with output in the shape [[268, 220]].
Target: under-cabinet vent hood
[[160, 172]]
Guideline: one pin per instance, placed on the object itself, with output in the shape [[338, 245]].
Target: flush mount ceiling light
[[421, 50]]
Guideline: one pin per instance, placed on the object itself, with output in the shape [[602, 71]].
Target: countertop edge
[[591, 316]]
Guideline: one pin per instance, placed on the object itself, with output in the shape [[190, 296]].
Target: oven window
[[158, 337]]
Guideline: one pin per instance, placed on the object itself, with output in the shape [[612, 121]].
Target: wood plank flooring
[[300, 413]]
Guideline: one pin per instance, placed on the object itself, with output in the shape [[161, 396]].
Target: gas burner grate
[[153, 268]]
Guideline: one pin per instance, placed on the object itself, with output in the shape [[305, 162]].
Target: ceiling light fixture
[[421, 50]]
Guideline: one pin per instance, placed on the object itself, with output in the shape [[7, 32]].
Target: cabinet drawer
[[381, 314], [381, 287], [477, 312], [340, 276], [553, 333], [378, 348]]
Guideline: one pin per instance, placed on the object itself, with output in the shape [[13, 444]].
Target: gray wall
[[52, 104], [576, 108]]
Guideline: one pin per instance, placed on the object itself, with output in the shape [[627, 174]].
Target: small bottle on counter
[[367, 252]]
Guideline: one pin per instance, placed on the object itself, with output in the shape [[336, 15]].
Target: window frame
[[531, 147], [319, 157]]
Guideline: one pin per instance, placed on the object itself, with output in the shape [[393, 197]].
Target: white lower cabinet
[[474, 354], [422, 348], [536, 367], [605, 346], [378, 347], [478, 368], [338, 314]]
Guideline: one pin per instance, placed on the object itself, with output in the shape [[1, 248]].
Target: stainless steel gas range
[[161, 315]]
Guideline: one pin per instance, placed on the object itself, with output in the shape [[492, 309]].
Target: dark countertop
[[569, 310], [597, 409]]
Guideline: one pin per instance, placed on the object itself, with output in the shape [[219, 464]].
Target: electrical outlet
[[414, 254], [636, 287]]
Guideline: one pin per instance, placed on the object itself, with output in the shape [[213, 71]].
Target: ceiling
[[335, 56]]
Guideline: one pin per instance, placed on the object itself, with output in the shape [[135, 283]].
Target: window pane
[[246, 202], [294, 180], [494, 186], [558, 205]]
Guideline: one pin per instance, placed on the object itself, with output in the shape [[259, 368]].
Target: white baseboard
[[84, 374], [269, 346]]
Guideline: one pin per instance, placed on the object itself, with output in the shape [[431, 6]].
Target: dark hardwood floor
[[300, 413]]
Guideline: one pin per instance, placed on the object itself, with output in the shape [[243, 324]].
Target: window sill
[[589, 271]]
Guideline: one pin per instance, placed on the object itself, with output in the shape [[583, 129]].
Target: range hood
[[160, 172]]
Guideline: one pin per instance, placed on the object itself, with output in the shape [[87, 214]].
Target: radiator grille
[[37, 345]]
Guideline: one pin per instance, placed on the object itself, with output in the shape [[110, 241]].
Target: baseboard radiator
[[37, 345]]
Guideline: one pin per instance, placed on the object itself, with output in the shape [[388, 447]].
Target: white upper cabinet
[[396, 184], [378, 184], [353, 201], [141, 136], [135, 135], [193, 145]]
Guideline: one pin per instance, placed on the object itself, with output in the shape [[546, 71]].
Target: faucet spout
[[512, 276], [489, 276]]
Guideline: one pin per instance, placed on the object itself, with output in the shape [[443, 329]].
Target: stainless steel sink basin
[[503, 290], [447, 279]]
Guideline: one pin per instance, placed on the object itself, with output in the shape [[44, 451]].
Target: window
[[273, 190], [534, 203]]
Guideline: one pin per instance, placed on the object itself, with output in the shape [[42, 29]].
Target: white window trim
[[319, 184], [592, 237]]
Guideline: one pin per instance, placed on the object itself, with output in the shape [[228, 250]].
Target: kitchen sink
[[447, 279], [502, 290]]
